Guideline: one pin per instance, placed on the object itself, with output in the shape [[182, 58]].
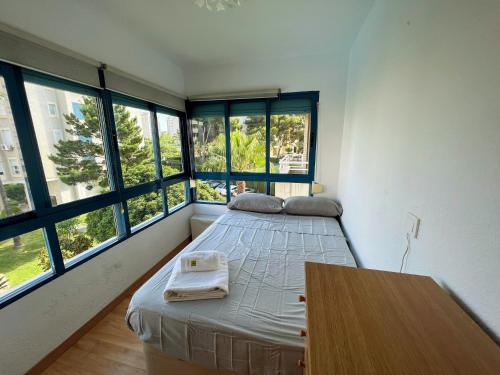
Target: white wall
[[82, 27], [36, 324], [422, 134], [324, 73]]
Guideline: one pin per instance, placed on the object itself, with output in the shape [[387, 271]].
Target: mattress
[[254, 330]]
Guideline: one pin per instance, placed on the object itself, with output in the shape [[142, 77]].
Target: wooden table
[[363, 321]]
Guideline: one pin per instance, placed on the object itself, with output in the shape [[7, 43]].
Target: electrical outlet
[[413, 224]]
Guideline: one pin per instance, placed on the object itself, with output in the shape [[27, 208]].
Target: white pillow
[[256, 202]]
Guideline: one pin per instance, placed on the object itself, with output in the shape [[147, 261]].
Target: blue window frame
[[121, 211], [244, 145]]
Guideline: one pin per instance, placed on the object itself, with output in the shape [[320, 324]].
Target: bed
[[254, 330]]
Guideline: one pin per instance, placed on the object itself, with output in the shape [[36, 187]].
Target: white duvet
[[253, 330]]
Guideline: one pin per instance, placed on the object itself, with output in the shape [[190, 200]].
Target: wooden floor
[[108, 348]]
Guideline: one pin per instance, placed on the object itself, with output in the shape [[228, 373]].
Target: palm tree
[[248, 154]]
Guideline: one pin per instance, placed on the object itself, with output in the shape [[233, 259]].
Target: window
[[209, 139], [169, 129], [290, 137], [21, 260], [270, 146], [16, 199], [15, 167], [209, 144], [52, 109], [133, 127], [248, 137], [71, 127], [85, 233], [73, 160], [57, 136], [239, 187], [144, 208], [176, 196], [7, 141], [211, 190], [287, 189]]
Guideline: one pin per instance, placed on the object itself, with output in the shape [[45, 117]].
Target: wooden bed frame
[[158, 363]]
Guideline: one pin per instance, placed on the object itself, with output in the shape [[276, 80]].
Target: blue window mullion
[[156, 143], [157, 155], [189, 140], [185, 149], [268, 146], [110, 141], [27, 139], [312, 137], [55, 254], [227, 129], [38, 188], [187, 192]]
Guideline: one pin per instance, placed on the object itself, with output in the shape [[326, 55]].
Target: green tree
[[16, 192], [101, 224], [71, 241], [207, 193], [136, 154], [80, 159], [205, 131], [248, 153], [170, 150], [287, 134], [175, 195], [256, 124]]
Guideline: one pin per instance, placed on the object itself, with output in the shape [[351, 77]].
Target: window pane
[[290, 143], [170, 144], [14, 190], [239, 187], [22, 259], [248, 143], [80, 235], [211, 190], [288, 189], [133, 127], [209, 144], [144, 207], [176, 195], [69, 138]]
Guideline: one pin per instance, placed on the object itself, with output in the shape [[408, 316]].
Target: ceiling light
[[218, 5]]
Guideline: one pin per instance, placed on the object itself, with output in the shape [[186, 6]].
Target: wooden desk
[[372, 322]]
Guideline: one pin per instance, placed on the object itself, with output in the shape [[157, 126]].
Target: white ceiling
[[152, 37], [259, 29]]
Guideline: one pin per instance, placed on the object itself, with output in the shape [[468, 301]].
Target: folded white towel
[[189, 286], [200, 261]]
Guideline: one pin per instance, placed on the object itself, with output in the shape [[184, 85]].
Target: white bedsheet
[[254, 330]]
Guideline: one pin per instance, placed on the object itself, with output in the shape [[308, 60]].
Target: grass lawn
[[21, 264]]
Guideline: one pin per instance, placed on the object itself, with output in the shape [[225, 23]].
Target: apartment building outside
[[47, 107]]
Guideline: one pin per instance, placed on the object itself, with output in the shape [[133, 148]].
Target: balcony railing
[[293, 163]]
